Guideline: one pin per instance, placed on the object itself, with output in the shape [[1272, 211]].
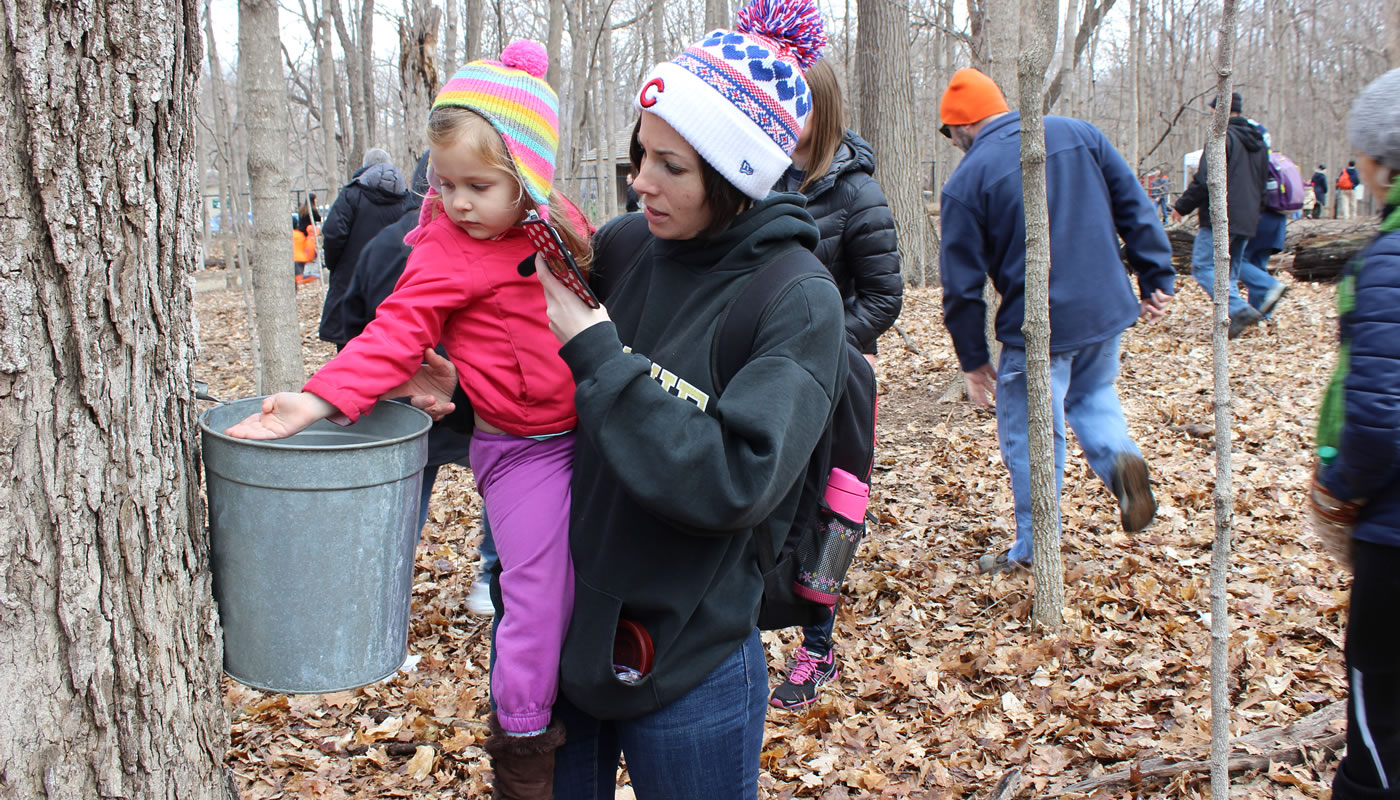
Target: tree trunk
[[449, 51], [1002, 29], [365, 53], [110, 679], [418, 76], [607, 171], [1047, 564], [1392, 24], [555, 43], [358, 110], [887, 122], [264, 111], [1134, 84], [1224, 490], [716, 14], [475, 11], [326, 80]]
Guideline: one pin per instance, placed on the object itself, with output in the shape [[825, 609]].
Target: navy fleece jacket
[[1094, 199]]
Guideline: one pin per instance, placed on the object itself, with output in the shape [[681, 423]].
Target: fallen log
[[1322, 258], [1261, 748]]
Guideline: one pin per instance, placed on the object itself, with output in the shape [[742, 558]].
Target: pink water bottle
[[822, 560]]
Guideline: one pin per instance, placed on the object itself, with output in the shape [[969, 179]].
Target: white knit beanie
[[1375, 120], [737, 96]]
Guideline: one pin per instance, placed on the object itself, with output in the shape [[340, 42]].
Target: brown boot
[[524, 765]]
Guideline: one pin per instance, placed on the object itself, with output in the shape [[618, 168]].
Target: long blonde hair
[[827, 122], [448, 125]]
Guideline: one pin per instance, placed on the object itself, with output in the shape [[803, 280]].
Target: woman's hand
[[1155, 307], [568, 315], [282, 415], [431, 387]]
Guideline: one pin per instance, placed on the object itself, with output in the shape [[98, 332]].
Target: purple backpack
[[1284, 189]]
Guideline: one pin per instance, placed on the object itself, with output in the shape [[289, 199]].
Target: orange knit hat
[[971, 97]]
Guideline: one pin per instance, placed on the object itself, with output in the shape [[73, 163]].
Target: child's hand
[[568, 315], [283, 414]]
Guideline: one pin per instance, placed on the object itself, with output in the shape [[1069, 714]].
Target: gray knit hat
[[1375, 120], [376, 156]]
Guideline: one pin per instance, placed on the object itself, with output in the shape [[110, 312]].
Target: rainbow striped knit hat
[[513, 96]]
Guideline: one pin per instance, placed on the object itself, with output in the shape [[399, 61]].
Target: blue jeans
[[1203, 266], [488, 545], [817, 638], [705, 745], [1254, 262], [1082, 391]]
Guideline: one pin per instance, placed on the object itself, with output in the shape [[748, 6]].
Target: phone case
[[561, 262]]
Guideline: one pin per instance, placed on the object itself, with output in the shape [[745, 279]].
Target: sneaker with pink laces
[[809, 672]]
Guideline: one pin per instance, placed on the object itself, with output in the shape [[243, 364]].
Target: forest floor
[[945, 686]]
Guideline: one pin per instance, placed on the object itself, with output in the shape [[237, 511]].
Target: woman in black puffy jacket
[[835, 168]]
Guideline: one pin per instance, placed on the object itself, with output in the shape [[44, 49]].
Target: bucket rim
[[282, 444]]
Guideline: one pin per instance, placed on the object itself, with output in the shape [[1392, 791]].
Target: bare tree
[[1002, 33], [887, 122], [472, 50], [1094, 11], [418, 76], [716, 14], [1392, 24], [449, 39], [1224, 488], [264, 108], [110, 679], [325, 62], [1049, 568], [359, 110]]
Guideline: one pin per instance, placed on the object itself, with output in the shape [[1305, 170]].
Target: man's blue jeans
[[1203, 266], [1082, 391], [705, 745], [1254, 262]]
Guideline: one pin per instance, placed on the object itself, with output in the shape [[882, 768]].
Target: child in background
[[492, 133]]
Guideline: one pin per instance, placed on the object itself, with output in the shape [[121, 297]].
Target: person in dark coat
[[376, 274], [1246, 171], [377, 197], [834, 168], [1355, 494], [1319, 185]]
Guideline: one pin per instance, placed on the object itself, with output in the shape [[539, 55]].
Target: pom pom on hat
[[795, 25], [739, 96], [527, 55]]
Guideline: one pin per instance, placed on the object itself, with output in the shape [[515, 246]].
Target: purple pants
[[525, 485]]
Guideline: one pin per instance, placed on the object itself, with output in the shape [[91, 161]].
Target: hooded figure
[[376, 198]]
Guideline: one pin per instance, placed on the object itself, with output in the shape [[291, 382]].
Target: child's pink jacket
[[470, 296]]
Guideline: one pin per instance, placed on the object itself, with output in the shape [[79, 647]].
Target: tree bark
[[1002, 30], [887, 122], [358, 110], [365, 53], [449, 35], [418, 76], [1392, 24], [110, 678], [716, 14], [1047, 564], [264, 110], [472, 46], [1224, 492], [555, 43], [326, 80]]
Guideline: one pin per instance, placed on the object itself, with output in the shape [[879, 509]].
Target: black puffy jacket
[[375, 199], [858, 241]]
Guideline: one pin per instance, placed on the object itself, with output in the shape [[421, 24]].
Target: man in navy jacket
[[1094, 199]]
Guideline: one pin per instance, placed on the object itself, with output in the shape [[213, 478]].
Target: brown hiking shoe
[[1134, 492]]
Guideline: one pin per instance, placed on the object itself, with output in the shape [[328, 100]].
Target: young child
[[492, 136]]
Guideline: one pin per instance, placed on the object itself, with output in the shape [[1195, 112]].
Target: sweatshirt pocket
[[587, 675]]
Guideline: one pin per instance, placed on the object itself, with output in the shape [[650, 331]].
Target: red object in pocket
[[632, 646]]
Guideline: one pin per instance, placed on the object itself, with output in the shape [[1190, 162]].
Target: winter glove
[[1333, 520]]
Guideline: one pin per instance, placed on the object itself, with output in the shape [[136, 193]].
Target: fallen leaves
[[944, 686]]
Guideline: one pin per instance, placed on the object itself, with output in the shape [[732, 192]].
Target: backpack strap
[[739, 331], [753, 304], [624, 234]]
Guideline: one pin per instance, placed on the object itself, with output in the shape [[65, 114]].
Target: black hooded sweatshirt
[[1246, 171], [858, 241], [672, 479]]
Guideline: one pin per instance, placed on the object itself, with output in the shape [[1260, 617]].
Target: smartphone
[[561, 262]]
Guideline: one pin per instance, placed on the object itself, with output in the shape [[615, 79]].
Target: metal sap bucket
[[312, 541]]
